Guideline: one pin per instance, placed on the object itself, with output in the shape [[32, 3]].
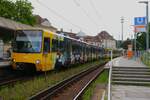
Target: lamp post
[[147, 26], [122, 21]]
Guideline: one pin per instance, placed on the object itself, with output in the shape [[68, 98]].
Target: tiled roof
[[40, 23], [105, 35], [13, 25]]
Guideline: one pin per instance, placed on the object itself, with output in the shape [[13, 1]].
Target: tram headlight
[[13, 60], [37, 61]]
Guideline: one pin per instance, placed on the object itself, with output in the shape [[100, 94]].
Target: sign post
[[139, 26], [110, 77]]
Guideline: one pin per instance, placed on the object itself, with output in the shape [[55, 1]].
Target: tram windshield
[[27, 41]]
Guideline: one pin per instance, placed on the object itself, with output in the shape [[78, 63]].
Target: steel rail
[[49, 92], [79, 94]]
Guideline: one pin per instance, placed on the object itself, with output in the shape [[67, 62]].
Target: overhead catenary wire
[[99, 16], [95, 10], [85, 12], [58, 15]]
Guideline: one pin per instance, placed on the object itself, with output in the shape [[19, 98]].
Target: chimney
[[61, 29]]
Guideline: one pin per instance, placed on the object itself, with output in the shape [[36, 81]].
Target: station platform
[[130, 80], [5, 63], [125, 62]]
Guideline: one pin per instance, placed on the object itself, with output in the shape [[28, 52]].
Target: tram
[[43, 50]]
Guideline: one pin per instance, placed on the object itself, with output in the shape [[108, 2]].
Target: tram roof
[[13, 25], [78, 40]]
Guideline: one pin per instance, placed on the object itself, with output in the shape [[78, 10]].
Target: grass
[[21, 91], [102, 79], [146, 58]]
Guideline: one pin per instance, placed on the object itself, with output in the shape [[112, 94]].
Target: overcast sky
[[91, 16]]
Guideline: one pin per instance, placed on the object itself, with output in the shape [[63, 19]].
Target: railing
[[110, 76]]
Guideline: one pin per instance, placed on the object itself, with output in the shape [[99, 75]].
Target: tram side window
[[61, 46], [46, 45], [54, 45]]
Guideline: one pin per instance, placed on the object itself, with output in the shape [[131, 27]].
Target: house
[[107, 41], [93, 40], [102, 39], [44, 23]]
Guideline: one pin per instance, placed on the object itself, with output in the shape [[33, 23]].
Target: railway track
[[6, 74], [14, 79], [10, 77], [71, 88]]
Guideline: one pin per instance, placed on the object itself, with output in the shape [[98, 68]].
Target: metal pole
[[109, 81], [122, 21], [135, 44], [147, 15], [132, 40], [111, 55], [147, 20]]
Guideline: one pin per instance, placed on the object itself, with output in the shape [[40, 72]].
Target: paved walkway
[[121, 92], [124, 62], [126, 92], [4, 63]]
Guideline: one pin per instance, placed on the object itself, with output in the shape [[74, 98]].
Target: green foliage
[[125, 44], [7, 9], [146, 58], [102, 79], [141, 40], [23, 90], [20, 11]]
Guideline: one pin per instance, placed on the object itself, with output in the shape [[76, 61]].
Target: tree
[[141, 41], [20, 11], [24, 12], [7, 9], [125, 44]]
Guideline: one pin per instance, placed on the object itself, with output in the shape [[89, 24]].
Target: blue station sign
[[140, 21]]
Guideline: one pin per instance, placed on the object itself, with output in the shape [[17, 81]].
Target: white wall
[[110, 44]]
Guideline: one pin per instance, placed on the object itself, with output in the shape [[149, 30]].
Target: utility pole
[[147, 20], [122, 21], [132, 41], [135, 44], [147, 39]]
